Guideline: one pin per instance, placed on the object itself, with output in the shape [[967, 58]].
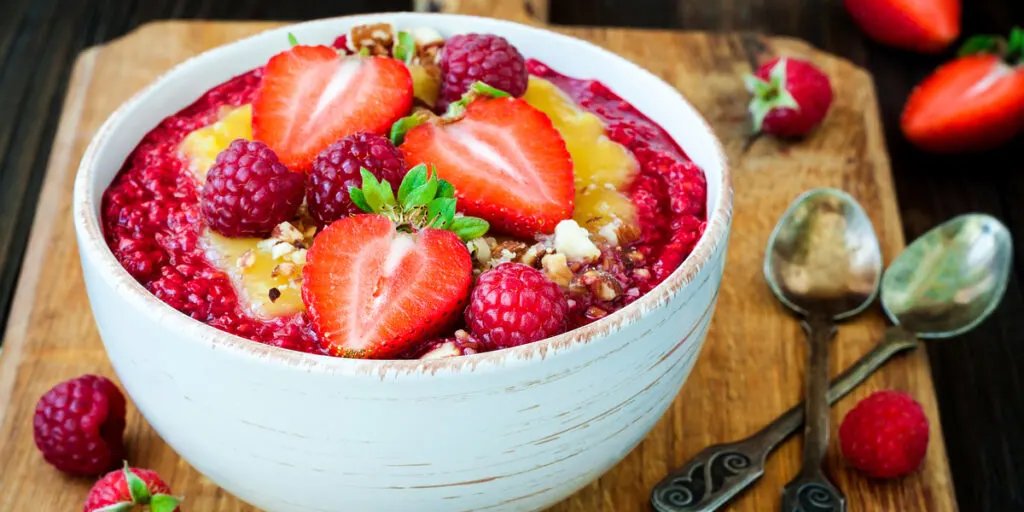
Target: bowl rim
[[91, 240]]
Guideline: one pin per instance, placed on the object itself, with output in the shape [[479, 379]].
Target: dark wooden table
[[979, 377]]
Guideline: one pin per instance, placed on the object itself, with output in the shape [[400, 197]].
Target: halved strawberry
[[374, 292], [310, 97], [972, 103], [378, 285], [508, 163]]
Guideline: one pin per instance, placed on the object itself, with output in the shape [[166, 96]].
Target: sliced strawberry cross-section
[[508, 163], [310, 97], [374, 292]]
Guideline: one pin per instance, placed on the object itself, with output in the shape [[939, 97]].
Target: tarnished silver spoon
[[824, 263], [944, 284]]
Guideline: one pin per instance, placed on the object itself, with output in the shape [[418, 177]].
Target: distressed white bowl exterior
[[517, 429]]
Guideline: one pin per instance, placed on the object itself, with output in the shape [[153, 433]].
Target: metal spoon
[[944, 284], [824, 263]]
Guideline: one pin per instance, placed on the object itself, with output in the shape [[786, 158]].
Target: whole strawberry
[[514, 304], [338, 167], [129, 489], [790, 97], [248, 191], [972, 103], [487, 58], [79, 425], [885, 435]]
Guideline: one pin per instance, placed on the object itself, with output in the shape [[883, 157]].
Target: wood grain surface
[[749, 372]]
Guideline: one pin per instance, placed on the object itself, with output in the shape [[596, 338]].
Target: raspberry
[[336, 169], [514, 304], [885, 435], [114, 492], [79, 425], [248, 191], [467, 58]]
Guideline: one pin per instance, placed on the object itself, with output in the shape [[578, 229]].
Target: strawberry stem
[[477, 90], [403, 125]]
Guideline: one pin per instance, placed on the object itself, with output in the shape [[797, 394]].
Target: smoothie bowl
[[380, 261]]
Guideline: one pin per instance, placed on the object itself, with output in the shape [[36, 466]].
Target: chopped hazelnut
[[377, 38], [642, 274], [299, 257], [283, 270], [480, 250], [281, 249], [286, 232], [515, 247], [596, 312], [556, 269], [531, 256], [635, 256], [604, 286], [247, 259]]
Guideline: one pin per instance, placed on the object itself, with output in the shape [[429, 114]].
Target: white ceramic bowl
[[516, 429]]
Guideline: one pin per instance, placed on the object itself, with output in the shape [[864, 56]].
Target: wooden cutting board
[[749, 372]]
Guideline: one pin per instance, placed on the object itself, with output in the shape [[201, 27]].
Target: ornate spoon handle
[[720, 472], [811, 490]]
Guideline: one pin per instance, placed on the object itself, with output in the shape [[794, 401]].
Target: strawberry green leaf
[[422, 194], [405, 50], [364, 52], [468, 228], [482, 88], [292, 40], [374, 197], [441, 212], [164, 503], [415, 177], [403, 125], [388, 194], [136, 487], [980, 44], [756, 86], [1015, 49], [778, 74], [359, 199], [445, 189], [121, 506]]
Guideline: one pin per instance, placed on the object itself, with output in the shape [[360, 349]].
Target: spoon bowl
[[823, 256], [949, 279]]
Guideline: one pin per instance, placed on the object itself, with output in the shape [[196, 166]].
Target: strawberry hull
[[150, 215]]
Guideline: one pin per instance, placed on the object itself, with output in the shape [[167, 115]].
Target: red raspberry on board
[[248, 191], [885, 435], [129, 489], [514, 304], [791, 97], [336, 169], [491, 59], [79, 425]]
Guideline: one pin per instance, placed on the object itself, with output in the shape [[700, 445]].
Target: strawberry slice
[[374, 292], [508, 163], [311, 97], [972, 103]]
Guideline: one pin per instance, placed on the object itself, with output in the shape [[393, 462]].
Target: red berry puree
[[152, 219]]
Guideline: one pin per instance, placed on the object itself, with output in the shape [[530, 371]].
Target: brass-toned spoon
[[944, 284]]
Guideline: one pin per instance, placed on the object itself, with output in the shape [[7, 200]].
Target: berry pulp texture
[[152, 221]]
